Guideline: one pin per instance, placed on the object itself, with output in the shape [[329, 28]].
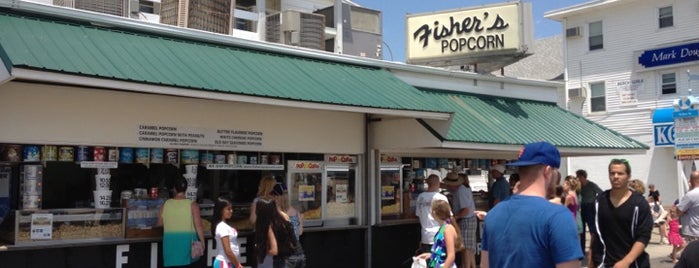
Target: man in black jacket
[[623, 223]]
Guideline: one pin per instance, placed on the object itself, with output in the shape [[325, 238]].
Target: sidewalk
[[658, 253]]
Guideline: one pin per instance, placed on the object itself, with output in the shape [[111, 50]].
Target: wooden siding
[[629, 28]]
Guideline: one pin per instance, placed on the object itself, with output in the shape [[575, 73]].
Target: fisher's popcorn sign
[[460, 36]]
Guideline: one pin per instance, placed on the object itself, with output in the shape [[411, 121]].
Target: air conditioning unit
[[577, 93], [297, 29], [573, 32]]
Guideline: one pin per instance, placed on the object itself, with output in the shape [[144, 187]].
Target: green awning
[[76, 47], [496, 120]]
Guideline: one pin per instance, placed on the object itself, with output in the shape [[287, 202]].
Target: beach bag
[[418, 263], [197, 249]]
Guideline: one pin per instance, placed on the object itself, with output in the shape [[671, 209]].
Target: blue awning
[[663, 116]]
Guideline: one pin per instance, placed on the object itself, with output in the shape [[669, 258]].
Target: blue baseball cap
[[538, 153]]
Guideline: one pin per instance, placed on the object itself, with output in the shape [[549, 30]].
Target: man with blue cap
[[526, 230]]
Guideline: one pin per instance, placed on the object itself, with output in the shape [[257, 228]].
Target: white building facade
[[626, 62]]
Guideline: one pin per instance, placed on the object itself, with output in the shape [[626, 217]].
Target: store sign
[[495, 29], [243, 167], [305, 166], [664, 135], [42, 226], [628, 91], [390, 160], [133, 255], [167, 136], [669, 55], [686, 118], [340, 159]]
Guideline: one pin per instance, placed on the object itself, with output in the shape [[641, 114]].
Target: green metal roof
[[498, 120], [49, 44]]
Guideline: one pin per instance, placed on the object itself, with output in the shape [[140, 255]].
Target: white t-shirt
[[225, 230], [423, 209]]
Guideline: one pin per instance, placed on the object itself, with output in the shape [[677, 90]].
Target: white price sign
[[41, 226]]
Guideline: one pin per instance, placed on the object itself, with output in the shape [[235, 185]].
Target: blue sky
[[394, 11]]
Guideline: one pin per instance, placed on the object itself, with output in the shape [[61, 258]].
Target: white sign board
[[456, 34], [166, 136], [628, 91], [41, 226]]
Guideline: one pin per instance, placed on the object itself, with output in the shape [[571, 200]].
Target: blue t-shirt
[[501, 189], [529, 231]]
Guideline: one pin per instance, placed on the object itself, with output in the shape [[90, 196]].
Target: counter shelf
[[58, 226]]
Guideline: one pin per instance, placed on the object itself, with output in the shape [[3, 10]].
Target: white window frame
[[590, 36], [663, 83], [592, 96], [671, 17]]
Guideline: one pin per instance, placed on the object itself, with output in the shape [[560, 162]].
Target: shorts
[[467, 227], [661, 218], [222, 264]]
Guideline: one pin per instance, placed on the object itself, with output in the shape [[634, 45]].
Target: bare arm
[[196, 215], [273, 249], [484, 259], [569, 264], [229, 252], [449, 240], [160, 215], [300, 222]]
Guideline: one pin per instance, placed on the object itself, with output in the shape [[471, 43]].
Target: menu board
[[168, 136]]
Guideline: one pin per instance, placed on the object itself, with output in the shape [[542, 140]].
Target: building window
[[146, 7], [595, 38], [669, 83], [665, 17], [598, 99]]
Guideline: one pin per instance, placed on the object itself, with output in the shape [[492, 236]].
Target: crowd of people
[[541, 221], [535, 220]]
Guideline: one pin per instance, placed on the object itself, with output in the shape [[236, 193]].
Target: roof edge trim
[[68, 79], [565, 151]]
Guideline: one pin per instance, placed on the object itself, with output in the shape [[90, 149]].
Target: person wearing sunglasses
[[623, 223]]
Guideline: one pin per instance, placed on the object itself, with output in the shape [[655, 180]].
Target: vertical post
[[337, 9], [261, 20]]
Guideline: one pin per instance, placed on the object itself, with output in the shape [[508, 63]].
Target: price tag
[[41, 226]]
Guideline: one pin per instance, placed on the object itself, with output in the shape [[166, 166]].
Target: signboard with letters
[[686, 118], [169, 136], [454, 37], [669, 55]]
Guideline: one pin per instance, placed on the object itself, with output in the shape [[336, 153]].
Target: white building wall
[[629, 27]]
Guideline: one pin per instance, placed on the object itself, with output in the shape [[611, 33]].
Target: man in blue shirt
[[501, 189], [527, 230]]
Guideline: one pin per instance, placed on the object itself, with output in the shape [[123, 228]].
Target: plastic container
[[103, 198], [66, 154], [126, 155], [31, 153]]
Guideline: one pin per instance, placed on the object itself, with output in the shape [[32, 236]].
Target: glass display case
[[306, 190], [142, 217], [64, 225], [340, 175], [390, 191]]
